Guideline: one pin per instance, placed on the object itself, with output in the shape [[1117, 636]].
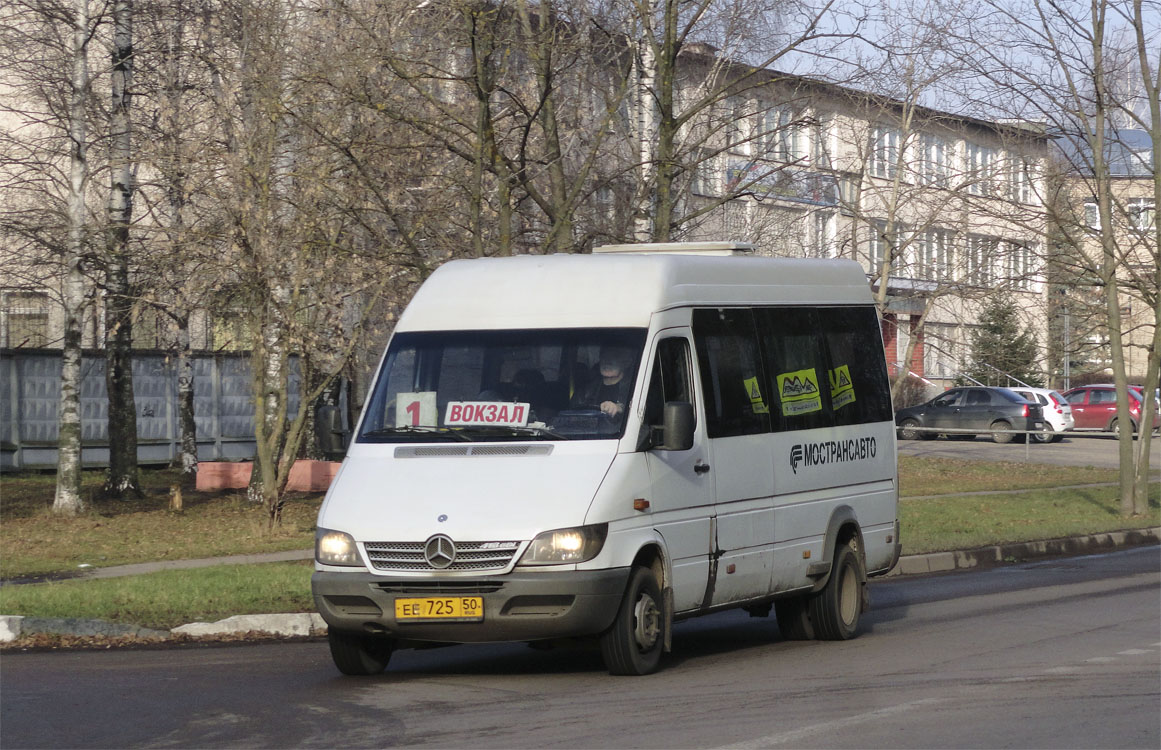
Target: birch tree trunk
[[187, 425], [122, 478], [68, 500]]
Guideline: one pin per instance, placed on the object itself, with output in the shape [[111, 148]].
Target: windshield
[[549, 384]]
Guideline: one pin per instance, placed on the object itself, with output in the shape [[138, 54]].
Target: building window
[[980, 255], [783, 136], [884, 152], [1092, 216], [820, 143], [1142, 213], [880, 244], [735, 114], [1022, 187], [934, 255], [935, 166], [981, 162], [1019, 264], [821, 237], [704, 181], [25, 320]]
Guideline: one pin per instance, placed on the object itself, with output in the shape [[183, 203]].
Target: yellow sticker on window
[[755, 393], [799, 392], [842, 390]]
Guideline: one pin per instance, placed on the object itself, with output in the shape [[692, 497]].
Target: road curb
[[13, 627], [941, 562]]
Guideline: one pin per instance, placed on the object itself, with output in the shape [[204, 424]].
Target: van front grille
[[470, 556], [439, 588]]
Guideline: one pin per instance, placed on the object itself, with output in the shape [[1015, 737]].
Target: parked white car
[[1057, 413]]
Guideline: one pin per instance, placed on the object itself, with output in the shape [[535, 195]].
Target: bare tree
[[1055, 62], [122, 478], [68, 500]]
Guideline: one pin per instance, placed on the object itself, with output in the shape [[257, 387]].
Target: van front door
[[737, 416], [682, 490]]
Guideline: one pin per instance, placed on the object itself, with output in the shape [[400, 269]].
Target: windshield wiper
[[416, 430]]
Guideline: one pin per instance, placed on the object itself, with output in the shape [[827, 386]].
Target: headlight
[[335, 548], [566, 546]]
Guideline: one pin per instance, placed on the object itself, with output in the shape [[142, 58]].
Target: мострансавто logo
[[832, 451]]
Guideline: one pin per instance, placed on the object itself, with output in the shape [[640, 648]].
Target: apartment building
[[1134, 215], [942, 210]]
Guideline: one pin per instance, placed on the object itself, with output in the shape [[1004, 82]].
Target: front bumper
[[517, 606]]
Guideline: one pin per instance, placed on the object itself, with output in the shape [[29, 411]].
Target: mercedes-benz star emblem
[[439, 551]]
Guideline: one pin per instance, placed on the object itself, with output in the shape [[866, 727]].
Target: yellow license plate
[[457, 608]]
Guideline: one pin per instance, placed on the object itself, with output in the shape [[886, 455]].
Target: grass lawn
[[944, 476], [211, 524], [967, 521], [170, 598]]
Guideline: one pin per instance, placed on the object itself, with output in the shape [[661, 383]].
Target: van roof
[[618, 289]]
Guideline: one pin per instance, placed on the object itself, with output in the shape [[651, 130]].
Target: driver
[[610, 392]]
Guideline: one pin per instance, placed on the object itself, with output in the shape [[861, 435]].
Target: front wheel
[[633, 644], [1000, 432], [909, 429], [361, 655], [834, 611]]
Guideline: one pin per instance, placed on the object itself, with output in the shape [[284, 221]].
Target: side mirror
[[677, 427]]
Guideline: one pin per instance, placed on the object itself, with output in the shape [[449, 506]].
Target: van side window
[[798, 373], [670, 379], [733, 384], [857, 375]]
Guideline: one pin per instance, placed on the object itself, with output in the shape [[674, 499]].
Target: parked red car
[[1094, 407]]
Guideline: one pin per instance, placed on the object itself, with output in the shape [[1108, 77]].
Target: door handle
[[701, 467]]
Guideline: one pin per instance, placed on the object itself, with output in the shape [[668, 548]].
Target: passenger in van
[[610, 392]]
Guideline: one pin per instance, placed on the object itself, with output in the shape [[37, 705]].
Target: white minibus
[[600, 445]]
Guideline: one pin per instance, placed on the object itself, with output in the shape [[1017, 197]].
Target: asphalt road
[[1076, 449], [1058, 654]]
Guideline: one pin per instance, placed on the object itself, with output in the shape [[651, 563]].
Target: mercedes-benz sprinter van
[[600, 445]]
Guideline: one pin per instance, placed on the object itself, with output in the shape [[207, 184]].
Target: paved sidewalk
[[306, 624]]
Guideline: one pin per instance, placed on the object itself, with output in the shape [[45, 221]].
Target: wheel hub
[[647, 619]]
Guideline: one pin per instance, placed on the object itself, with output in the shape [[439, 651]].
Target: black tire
[[1048, 435], [834, 611], [1115, 428], [359, 655], [634, 642], [908, 431], [1001, 437], [794, 619]]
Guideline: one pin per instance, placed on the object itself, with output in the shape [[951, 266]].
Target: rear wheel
[[633, 644], [1048, 435], [356, 654], [1000, 432], [1115, 427], [834, 611]]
